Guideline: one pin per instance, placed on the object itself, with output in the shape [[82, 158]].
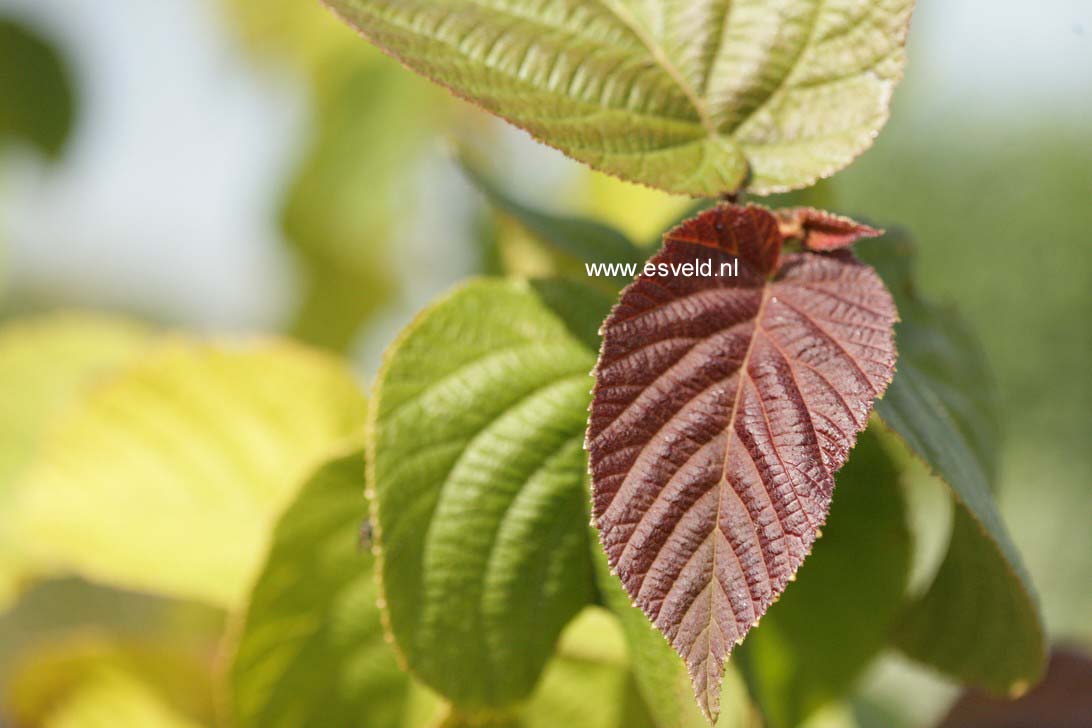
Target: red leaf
[[822, 231], [722, 408]]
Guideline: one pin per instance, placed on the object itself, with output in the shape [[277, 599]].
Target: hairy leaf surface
[[478, 473], [980, 620], [722, 408], [169, 475], [697, 98]]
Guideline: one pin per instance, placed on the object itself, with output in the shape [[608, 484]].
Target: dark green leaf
[[37, 99], [980, 619], [829, 625], [585, 240]]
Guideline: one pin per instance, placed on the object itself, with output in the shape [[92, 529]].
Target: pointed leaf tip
[[723, 405]]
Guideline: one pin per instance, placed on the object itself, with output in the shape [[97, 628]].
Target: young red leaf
[[822, 231], [722, 408]]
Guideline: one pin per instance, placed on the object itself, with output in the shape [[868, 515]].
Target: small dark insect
[[365, 535]]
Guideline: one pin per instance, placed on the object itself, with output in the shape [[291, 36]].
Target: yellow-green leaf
[[695, 98], [476, 459], [312, 652], [45, 363], [86, 682], [112, 698], [168, 477]]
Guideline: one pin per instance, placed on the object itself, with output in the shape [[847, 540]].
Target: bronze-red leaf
[[722, 408], [822, 231]]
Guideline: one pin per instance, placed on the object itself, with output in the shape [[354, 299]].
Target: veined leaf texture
[[696, 98], [722, 408]]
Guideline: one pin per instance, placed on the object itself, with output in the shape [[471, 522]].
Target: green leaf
[[660, 673], [580, 307], [477, 464], [312, 652], [111, 698], [45, 363], [304, 35], [168, 477], [587, 241], [694, 99], [980, 619], [64, 612], [37, 100], [352, 192], [818, 638], [86, 682], [589, 684]]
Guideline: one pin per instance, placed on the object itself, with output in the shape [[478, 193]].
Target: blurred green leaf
[[695, 100], [585, 240], [168, 477], [354, 193], [660, 673], [818, 638], [45, 363], [476, 459], [580, 307], [89, 683], [980, 620], [589, 684], [113, 698], [37, 98], [1016, 259], [63, 612], [305, 35], [312, 652]]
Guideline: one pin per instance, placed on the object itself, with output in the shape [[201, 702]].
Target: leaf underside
[[722, 408], [695, 98]]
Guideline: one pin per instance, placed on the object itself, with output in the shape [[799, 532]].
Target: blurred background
[[226, 166]]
